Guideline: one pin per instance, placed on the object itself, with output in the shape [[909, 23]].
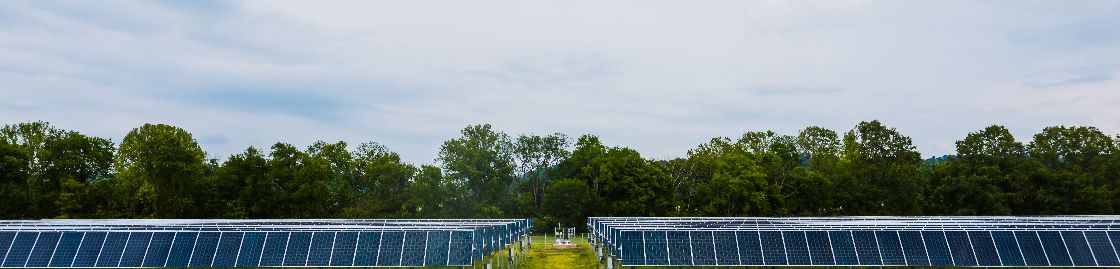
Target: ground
[[545, 255]]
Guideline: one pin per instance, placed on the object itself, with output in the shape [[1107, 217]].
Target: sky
[[658, 76]]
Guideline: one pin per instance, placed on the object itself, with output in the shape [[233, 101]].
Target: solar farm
[[254, 243], [858, 241]]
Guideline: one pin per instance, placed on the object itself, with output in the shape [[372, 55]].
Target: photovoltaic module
[[253, 243], [861, 241]]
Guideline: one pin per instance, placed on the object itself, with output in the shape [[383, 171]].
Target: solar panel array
[[253, 243], [857, 241]]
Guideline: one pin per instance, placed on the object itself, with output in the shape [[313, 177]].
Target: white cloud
[[659, 76]]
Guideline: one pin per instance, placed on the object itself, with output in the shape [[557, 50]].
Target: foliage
[[160, 171]]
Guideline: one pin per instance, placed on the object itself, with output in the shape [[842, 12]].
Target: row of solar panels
[[910, 248], [236, 249], [513, 225], [253, 243], [840, 223]]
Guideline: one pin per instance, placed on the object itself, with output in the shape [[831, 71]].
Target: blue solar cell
[[112, 250], [5, 244], [773, 249], [228, 248], [961, 248], [1055, 248], [296, 252], [390, 252], [368, 244], [679, 249], [1102, 248], [913, 248], [20, 249], [344, 244], [137, 244], [984, 247], [1078, 248], [656, 251], [867, 250], [633, 251], [797, 250], [274, 245], [204, 247], [1032, 248], [156, 256], [1008, 248], [703, 248], [321, 246], [820, 250], [181, 248], [890, 248], [252, 246], [727, 251], [1114, 236], [64, 254], [89, 248], [44, 248], [843, 247], [413, 254], [437, 248], [460, 248], [750, 248], [937, 248]]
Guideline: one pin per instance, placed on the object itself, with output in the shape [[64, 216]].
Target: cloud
[[658, 76]]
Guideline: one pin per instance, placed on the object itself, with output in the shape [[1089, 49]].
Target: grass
[[545, 255]]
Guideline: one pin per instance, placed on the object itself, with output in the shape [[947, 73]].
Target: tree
[[32, 138], [989, 176], [382, 185], [241, 188], [882, 175], [169, 160], [622, 181], [14, 162], [1077, 161], [71, 162], [482, 161], [820, 146], [430, 196], [303, 182], [537, 156], [568, 200]]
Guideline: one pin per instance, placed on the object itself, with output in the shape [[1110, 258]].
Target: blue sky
[[657, 76]]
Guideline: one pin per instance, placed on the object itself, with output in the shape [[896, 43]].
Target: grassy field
[[545, 255]]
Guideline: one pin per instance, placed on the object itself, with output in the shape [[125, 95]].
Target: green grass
[[544, 255]]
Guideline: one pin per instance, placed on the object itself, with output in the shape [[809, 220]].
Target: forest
[[160, 171]]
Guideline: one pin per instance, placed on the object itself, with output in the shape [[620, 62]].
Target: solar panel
[[253, 243], [871, 241]]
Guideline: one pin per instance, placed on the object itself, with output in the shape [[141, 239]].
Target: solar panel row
[[911, 248], [638, 242], [62, 244]]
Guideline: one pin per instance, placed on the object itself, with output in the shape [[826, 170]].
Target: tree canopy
[[160, 171]]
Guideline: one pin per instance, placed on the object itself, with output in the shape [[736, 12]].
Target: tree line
[[160, 171]]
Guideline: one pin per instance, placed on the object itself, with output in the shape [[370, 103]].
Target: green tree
[[568, 200], [169, 160], [302, 180], [382, 186], [1077, 161], [241, 188], [482, 161], [430, 195], [622, 181], [14, 162], [881, 172], [536, 157]]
